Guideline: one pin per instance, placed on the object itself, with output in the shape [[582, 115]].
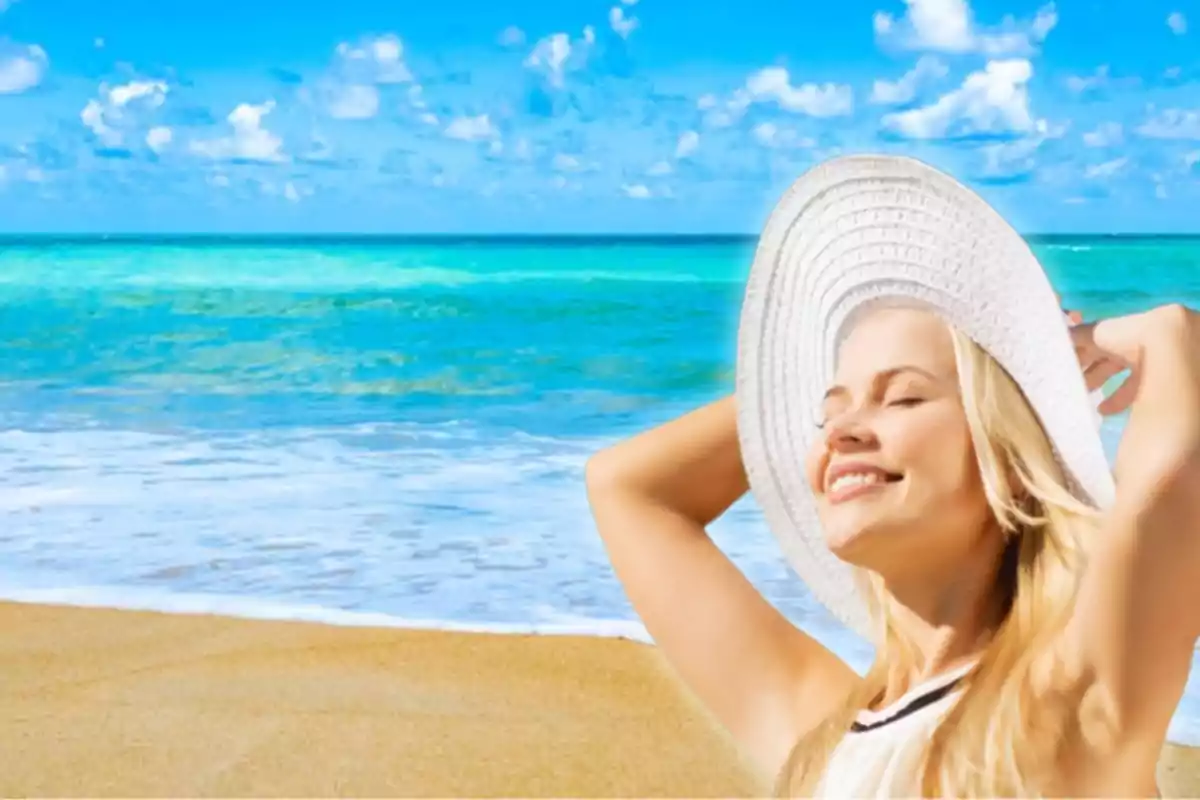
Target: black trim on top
[[929, 698]]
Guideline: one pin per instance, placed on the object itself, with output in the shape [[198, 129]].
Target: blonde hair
[[1001, 737]]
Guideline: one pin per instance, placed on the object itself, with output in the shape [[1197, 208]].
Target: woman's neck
[[943, 621]]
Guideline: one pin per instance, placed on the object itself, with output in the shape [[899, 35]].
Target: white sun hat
[[856, 233]]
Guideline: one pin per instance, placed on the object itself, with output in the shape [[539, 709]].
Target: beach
[[299, 465], [114, 703], [121, 704]]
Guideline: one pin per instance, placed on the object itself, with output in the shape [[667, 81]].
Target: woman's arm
[[652, 497], [1138, 615]]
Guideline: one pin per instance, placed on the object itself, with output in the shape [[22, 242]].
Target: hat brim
[[850, 235]]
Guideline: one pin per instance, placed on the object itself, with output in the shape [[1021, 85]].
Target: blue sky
[[573, 116]]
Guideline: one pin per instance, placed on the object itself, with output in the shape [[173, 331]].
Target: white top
[[880, 756]]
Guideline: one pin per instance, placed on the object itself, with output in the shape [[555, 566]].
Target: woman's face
[[894, 472]]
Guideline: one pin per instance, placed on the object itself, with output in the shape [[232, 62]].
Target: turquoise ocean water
[[386, 432]]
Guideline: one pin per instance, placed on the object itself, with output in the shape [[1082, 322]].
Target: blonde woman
[[912, 415]]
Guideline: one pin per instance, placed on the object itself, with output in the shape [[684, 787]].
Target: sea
[[389, 431]]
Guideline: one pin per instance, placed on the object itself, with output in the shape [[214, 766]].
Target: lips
[[854, 475]]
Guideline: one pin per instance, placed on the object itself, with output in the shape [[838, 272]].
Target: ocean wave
[[324, 281]]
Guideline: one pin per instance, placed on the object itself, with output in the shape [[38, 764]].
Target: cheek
[[940, 454], [814, 467]]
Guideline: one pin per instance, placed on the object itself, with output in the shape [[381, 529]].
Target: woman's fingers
[[1122, 398], [1099, 371]]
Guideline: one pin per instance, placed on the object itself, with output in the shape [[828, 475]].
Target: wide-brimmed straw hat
[[856, 233]]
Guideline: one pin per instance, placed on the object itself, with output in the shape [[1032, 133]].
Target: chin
[[863, 542], [852, 545]]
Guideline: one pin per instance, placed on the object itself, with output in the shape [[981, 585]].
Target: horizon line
[[84, 237]]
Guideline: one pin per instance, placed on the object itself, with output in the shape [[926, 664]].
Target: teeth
[[854, 479]]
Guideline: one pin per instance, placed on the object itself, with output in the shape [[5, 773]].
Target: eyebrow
[[885, 375]]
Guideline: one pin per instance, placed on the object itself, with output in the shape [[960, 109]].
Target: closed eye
[[907, 401]]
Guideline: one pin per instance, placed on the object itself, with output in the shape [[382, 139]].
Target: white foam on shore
[[247, 608]]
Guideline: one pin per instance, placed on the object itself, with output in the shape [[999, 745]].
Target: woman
[[1033, 636]]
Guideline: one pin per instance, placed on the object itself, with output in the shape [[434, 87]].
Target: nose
[[849, 433]]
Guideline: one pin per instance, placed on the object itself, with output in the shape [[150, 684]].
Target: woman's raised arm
[[1138, 615], [652, 497]]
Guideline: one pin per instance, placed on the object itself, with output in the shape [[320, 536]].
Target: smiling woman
[[955, 507], [880, 421]]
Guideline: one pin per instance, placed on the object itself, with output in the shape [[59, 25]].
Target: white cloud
[[707, 101], [688, 144], [993, 101], [768, 134], [774, 84], [354, 101], [549, 56], [659, 168], [349, 90], [377, 59], [153, 91], [1173, 123], [928, 68], [1080, 84], [158, 138], [1009, 159], [428, 118], [471, 128], [21, 67], [1106, 170], [1017, 159], [109, 116], [638, 191], [564, 162], [512, 36], [621, 24], [1190, 160], [1105, 135], [948, 26], [1177, 22], [250, 141], [218, 180]]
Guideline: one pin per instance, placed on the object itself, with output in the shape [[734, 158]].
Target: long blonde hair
[[1000, 738]]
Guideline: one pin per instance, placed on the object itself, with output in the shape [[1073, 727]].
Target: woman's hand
[[1161, 350], [1168, 335]]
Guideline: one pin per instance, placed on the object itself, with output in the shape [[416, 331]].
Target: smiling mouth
[[848, 487]]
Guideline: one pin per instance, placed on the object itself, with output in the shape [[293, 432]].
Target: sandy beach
[[120, 703]]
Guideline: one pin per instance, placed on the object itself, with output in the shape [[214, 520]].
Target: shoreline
[[264, 610], [116, 702]]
